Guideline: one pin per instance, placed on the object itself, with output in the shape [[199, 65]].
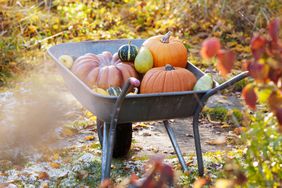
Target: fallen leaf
[[89, 138], [5, 164], [106, 183], [225, 125], [44, 185], [200, 182], [7, 185], [137, 148], [56, 156], [67, 132], [223, 183], [239, 130], [82, 174], [138, 126], [153, 149], [190, 163], [218, 141], [55, 165], [146, 134], [43, 176]]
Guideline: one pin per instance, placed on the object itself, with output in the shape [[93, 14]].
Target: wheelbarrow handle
[[131, 82], [223, 86], [109, 137]]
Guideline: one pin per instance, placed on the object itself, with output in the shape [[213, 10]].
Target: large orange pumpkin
[[167, 79], [104, 70], [167, 50]]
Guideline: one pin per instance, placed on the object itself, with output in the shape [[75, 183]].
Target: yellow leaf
[[232, 43], [66, 132], [88, 138], [93, 118], [218, 141], [55, 165], [56, 156], [88, 114], [222, 183], [225, 125]]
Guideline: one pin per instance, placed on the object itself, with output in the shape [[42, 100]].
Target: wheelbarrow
[[116, 114]]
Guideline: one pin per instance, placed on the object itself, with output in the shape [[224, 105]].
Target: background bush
[[29, 27]]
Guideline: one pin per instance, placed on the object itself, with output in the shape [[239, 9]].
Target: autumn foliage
[[265, 67], [158, 174], [225, 58]]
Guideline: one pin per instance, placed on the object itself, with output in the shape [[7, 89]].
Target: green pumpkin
[[127, 52], [114, 91]]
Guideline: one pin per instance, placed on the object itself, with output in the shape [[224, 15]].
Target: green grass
[[222, 114]]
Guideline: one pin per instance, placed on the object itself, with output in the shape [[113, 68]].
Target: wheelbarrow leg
[[105, 152], [198, 143], [175, 145], [199, 109], [108, 146]]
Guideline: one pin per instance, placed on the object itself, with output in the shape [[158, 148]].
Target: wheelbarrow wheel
[[123, 138]]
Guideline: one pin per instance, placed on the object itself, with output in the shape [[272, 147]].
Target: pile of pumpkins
[[159, 64]]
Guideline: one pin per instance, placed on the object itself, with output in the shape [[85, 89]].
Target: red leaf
[[279, 115], [133, 179], [106, 183], [245, 65], [157, 162], [275, 100], [166, 175], [258, 71], [200, 182], [258, 44], [275, 50], [273, 29], [225, 61], [210, 47], [274, 75], [250, 96]]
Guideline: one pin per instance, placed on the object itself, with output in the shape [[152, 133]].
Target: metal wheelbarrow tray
[[113, 111]]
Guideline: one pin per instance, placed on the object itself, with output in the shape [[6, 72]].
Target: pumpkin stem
[[129, 43], [165, 38], [169, 67]]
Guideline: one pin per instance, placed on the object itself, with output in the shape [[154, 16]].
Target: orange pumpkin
[[103, 71], [167, 79], [167, 50]]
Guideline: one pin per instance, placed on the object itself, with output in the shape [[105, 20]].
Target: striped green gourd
[[114, 91], [127, 52]]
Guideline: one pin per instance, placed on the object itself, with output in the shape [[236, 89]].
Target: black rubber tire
[[123, 138]]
